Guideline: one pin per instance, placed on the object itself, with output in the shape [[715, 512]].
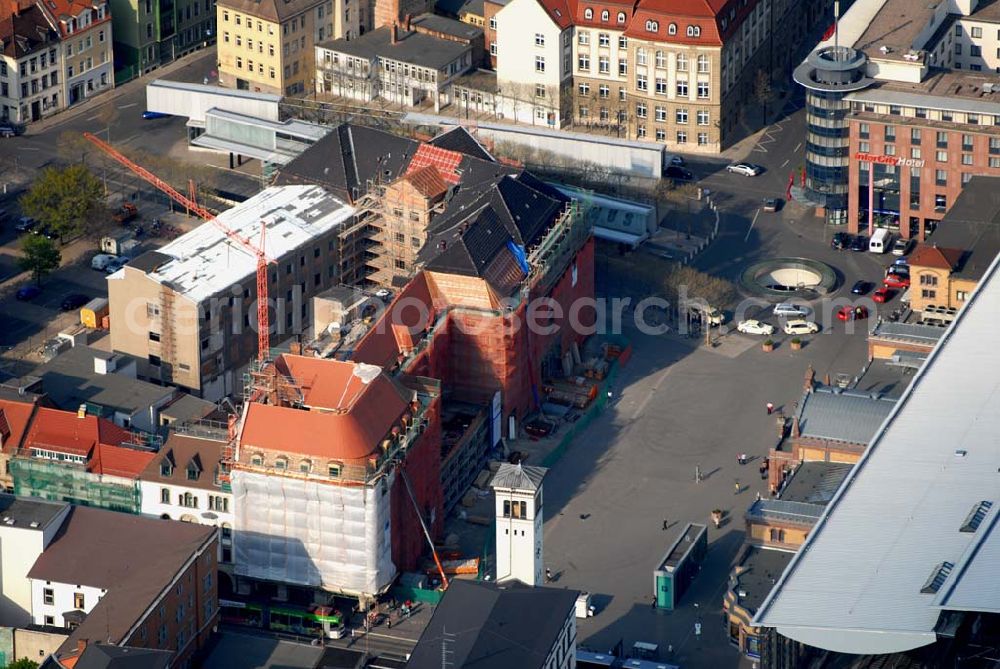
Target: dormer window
[[166, 469], [652, 26], [281, 463], [257, 460], [694, 31], [192, 472], [621, 17], [672, 29], [605, 15], [588, 13], [305, 466]]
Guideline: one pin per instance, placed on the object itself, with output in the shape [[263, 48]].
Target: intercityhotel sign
[[898, 161]]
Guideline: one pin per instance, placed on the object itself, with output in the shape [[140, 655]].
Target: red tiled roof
[[413, 307], [715, 20], [427, 180], [66, 9], [560, 11], [930, 255], [366, 412], [119, 461], [65, 431], [613, 8], [444, 160], [14, 420]]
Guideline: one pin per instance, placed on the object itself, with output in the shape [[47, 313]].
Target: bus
[[314, 621]]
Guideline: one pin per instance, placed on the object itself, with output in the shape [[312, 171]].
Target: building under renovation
[[334, 476]]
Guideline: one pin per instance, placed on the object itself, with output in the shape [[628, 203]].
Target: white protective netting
[[314, 534]]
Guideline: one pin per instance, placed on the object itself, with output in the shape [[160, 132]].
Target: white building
[[183, 483], [27, 527], [518, 492], [534, 53]]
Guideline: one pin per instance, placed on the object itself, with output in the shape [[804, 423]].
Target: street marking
[[134, 104], [784, 163], [797, 147], [93, 118], [750, 229], [652, 391]]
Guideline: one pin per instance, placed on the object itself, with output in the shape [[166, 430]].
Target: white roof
[[860, 582], [205, 261]]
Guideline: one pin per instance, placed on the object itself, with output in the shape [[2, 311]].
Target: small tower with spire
[[518, 492]]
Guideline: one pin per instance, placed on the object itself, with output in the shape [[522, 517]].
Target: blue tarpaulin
[[519, 255]]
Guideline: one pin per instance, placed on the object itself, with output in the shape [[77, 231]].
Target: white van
[[880, 242], [100, 261]]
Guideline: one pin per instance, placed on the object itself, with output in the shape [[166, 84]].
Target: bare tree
[[763, 91]]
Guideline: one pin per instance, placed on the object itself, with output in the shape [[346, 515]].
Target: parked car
[[787, 309], [896, 281], [901, 247], [7, 130], [25, 223], [746, 169], [115, 265], [841, 240], [46, 232], [861, 287], [150, 115], [859, 243], [898, 270], [100, 261], [755, 327], [901, 262], [848, 313], [26, 293], [883, 295], [74, 301], [800, 326], [772, 203], [677, 172], [677, 160]]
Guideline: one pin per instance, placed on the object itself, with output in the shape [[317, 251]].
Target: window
[[50, 620], [702, 139], [604, 91], [603, 39], [623, 44], [225, 37], [915, 136], [257, 460], [48, 596], [539, 63], [605, 15], [604, 64], [583, 112], [958, 49], [682, 62], [621, 95], [977, 51], [940, 201], [661, 86], [941, 156], [621, 17], [915, 153], [660, 59], [583, 62], [660, 114], [682, 137], [305, 466], [588, 13], [681, 116], [928, 280], [682, 88], [333, 469], [942, 140], [583, 38], [702, 117], [994, 162], [281, 462], [661, 135], [622, 67], [640, 110], [539, 90], [928, 294], [641, 83], [672, 29], [78, 600], [890, 133], [703, 64], [539, 39], [164, 495], [941, 177], [966, 158], [889, 150], [584, 89], [961, 295], [703, 90], [977, 32]]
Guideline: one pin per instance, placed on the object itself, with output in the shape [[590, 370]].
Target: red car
[[883, 294], [896, 281], [847, 313]]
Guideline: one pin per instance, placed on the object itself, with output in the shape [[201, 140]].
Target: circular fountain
[[789, 277]]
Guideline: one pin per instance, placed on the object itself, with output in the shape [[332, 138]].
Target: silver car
[[746, 169]]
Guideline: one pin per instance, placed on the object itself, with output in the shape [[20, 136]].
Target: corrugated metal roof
[[910, 332], [518, 477], [974, 585], [829, 413], [855, 586], [779, 509]]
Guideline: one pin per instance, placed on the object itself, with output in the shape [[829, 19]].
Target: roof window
[[672, 29], [976, 516], [938, 577], [652, 26], [588, 13]]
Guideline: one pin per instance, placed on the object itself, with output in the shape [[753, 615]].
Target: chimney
[[81, 645], [15, 7], [796, 430], [810, 379], [393, 36], [406, 22], [826, 379]]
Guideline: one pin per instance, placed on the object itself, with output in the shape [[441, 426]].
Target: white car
[[800, 327], [900, 247], [788, 309], [755, 327], [746, 169]]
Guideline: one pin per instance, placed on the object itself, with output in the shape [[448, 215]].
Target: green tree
[[40, 256], [67, 200], [23, 663]]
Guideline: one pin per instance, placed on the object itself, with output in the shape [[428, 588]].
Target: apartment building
[[188, 312], [151, 33], [600, 65], [88, 60], [270, 46], [31, 66], [534, 54], [393, 63]]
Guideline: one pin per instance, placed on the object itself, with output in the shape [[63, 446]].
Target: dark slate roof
[[446, 26], [458, 139], [494, 626], [471, 249], [847, 416], [762, 567], [149, 261], [518, 477], [912, 333], [275, 11], [25, 511], [815, 482], [103, 656], [973, 225], [25, 33], [459, 7], [410, 47], [348, 158]]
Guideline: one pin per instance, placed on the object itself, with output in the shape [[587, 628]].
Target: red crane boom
[[263, 316]]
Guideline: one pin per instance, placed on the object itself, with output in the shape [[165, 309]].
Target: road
[[680, 406]]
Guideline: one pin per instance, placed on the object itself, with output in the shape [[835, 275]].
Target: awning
[[618, 236]]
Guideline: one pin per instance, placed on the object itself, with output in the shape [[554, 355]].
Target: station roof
[[913, 527], [842, 415]]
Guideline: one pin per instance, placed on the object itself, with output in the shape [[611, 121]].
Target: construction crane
[[258, 252]]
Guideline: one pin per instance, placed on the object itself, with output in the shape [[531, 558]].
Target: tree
[[23, 663], [66, 200], [40, 256], [763, 91]]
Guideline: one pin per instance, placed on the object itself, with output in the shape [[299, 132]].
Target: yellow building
[[268, 46]]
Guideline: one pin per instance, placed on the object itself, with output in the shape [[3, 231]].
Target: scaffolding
[[61, 481]]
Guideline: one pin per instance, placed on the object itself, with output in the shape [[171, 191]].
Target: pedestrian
[[697, 473], [664, 524], [548, 574], [652, 604], [736, 487], [763, 472], [770, 408]]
